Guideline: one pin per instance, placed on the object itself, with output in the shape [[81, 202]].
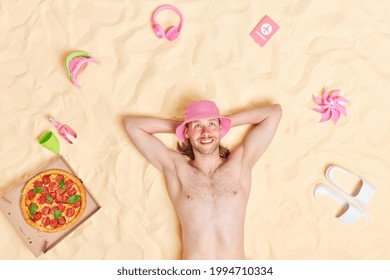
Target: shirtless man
[[208, 187]]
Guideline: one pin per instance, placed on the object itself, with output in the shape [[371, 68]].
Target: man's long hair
[[185, 148]]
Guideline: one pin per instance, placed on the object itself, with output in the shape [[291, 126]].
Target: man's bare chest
[[221, 184]]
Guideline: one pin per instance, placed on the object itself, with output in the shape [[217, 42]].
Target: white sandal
[[353, 212], [366, 191]]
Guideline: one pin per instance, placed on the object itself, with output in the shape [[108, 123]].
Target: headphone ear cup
[[159, 31], [172, 33]]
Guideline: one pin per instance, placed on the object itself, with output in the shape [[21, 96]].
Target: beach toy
[[64, 130], [50, 142], [75, 63], [331, 106]]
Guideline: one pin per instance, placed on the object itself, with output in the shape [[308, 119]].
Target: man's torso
[[211, 209]]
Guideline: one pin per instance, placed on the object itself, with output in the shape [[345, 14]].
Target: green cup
[[50, 142]]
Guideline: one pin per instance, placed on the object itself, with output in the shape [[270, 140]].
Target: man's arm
[[141, 130], [266, 120]]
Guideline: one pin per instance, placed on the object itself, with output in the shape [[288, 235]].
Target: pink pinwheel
[[331, 106]]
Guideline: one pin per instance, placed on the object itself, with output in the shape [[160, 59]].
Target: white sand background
[[335, 44]]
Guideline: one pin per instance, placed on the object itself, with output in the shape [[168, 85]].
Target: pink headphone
[[173, 32]]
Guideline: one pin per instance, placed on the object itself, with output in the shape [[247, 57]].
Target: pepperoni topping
[[46, 179], [37, 216], [54, 208], [61, 191], [30, 194], [45, 191], [52, 186], [46, 221], [38, 184], [45, 210], [59, 177], [70, 212], [68, 183], [54, 223], [42, 199], [77, 204], [71, 191], [53, 195], [62, 221], [58, 199], [61, 207]]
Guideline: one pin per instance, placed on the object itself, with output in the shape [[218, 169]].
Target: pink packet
[[264, 30]]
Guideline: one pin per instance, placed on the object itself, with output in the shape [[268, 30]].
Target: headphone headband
[[168, 7]]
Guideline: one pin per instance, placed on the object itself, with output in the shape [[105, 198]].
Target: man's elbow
[[125, 121], [128, 122], [277, 110]]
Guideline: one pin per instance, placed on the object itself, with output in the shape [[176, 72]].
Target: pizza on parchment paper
[[53, 200]]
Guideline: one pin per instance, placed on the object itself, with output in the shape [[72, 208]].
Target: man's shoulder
[[236, 154], [175, 161], [236, 157]]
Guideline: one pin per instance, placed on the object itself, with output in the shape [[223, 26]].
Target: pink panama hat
[[203, 109]]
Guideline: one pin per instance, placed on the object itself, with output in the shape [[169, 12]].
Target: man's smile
[[204, 141]]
